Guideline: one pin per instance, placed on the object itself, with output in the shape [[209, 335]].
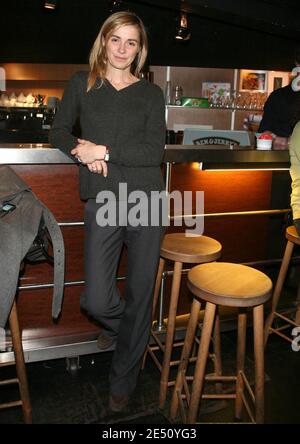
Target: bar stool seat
[[190, 249], [292, 240], [223, 284], [21, 379], [179, 248]]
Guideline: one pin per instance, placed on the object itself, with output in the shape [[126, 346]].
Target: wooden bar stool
[[20, 369], [179, 248], [232, 285], [292, 240]]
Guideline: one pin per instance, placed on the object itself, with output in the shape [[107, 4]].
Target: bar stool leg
[[258, 323], [20, 365], [157, 285], [170, 333], [154, 303], [278, 288], [241, 351], [217, 351], [185, 354], [199, 374]]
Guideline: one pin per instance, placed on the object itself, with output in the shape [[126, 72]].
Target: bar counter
[[213, 156], [244, 210]]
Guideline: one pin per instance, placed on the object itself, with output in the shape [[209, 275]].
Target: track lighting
[[183, 32], [115, 5], [51, 4]]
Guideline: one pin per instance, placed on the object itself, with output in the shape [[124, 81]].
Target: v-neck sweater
[[131, 121]]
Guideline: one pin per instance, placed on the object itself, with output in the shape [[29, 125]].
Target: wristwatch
[[106, 155]]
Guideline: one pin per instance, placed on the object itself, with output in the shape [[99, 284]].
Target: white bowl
[[264, 144]]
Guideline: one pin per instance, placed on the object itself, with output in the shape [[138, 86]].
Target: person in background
[[279, 112], [122, 121], [294, 148]]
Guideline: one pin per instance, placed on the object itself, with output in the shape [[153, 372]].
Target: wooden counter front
[[57, 187]]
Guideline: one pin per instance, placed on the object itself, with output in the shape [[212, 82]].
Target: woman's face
[[122, 47]]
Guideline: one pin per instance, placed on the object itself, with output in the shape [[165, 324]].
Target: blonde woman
[[120, 150]]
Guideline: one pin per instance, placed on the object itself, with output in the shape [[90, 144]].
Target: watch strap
[[106, 155]]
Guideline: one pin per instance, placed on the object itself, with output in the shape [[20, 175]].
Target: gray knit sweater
[[130, 121]]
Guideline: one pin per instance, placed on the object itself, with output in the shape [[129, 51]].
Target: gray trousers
[[129, 317]]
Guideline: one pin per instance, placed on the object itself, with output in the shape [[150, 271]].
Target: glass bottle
[[177, 95]]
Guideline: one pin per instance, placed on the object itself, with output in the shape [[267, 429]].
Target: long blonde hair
[[97, 58]]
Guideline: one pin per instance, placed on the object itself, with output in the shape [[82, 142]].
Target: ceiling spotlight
[[115, 5], [51, 4], [183, 32]]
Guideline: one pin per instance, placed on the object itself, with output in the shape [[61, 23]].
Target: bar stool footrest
[[10, 404], [185, 394], [289, 323]]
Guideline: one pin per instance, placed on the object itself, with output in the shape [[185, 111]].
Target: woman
[[122, 141], [294, 147]]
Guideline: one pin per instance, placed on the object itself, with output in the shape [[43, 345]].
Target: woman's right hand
[[98, 166]]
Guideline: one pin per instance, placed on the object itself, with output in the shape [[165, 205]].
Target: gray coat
[[18, 229]]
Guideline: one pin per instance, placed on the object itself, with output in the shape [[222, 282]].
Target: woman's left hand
[[87, 152]]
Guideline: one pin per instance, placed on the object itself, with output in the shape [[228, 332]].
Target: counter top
[[31, 153], [211, 156], [226, 157]]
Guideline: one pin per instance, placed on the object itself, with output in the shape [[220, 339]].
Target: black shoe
[[117, 403], [104, 341]]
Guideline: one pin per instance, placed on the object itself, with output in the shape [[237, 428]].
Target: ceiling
[[259, 34]]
